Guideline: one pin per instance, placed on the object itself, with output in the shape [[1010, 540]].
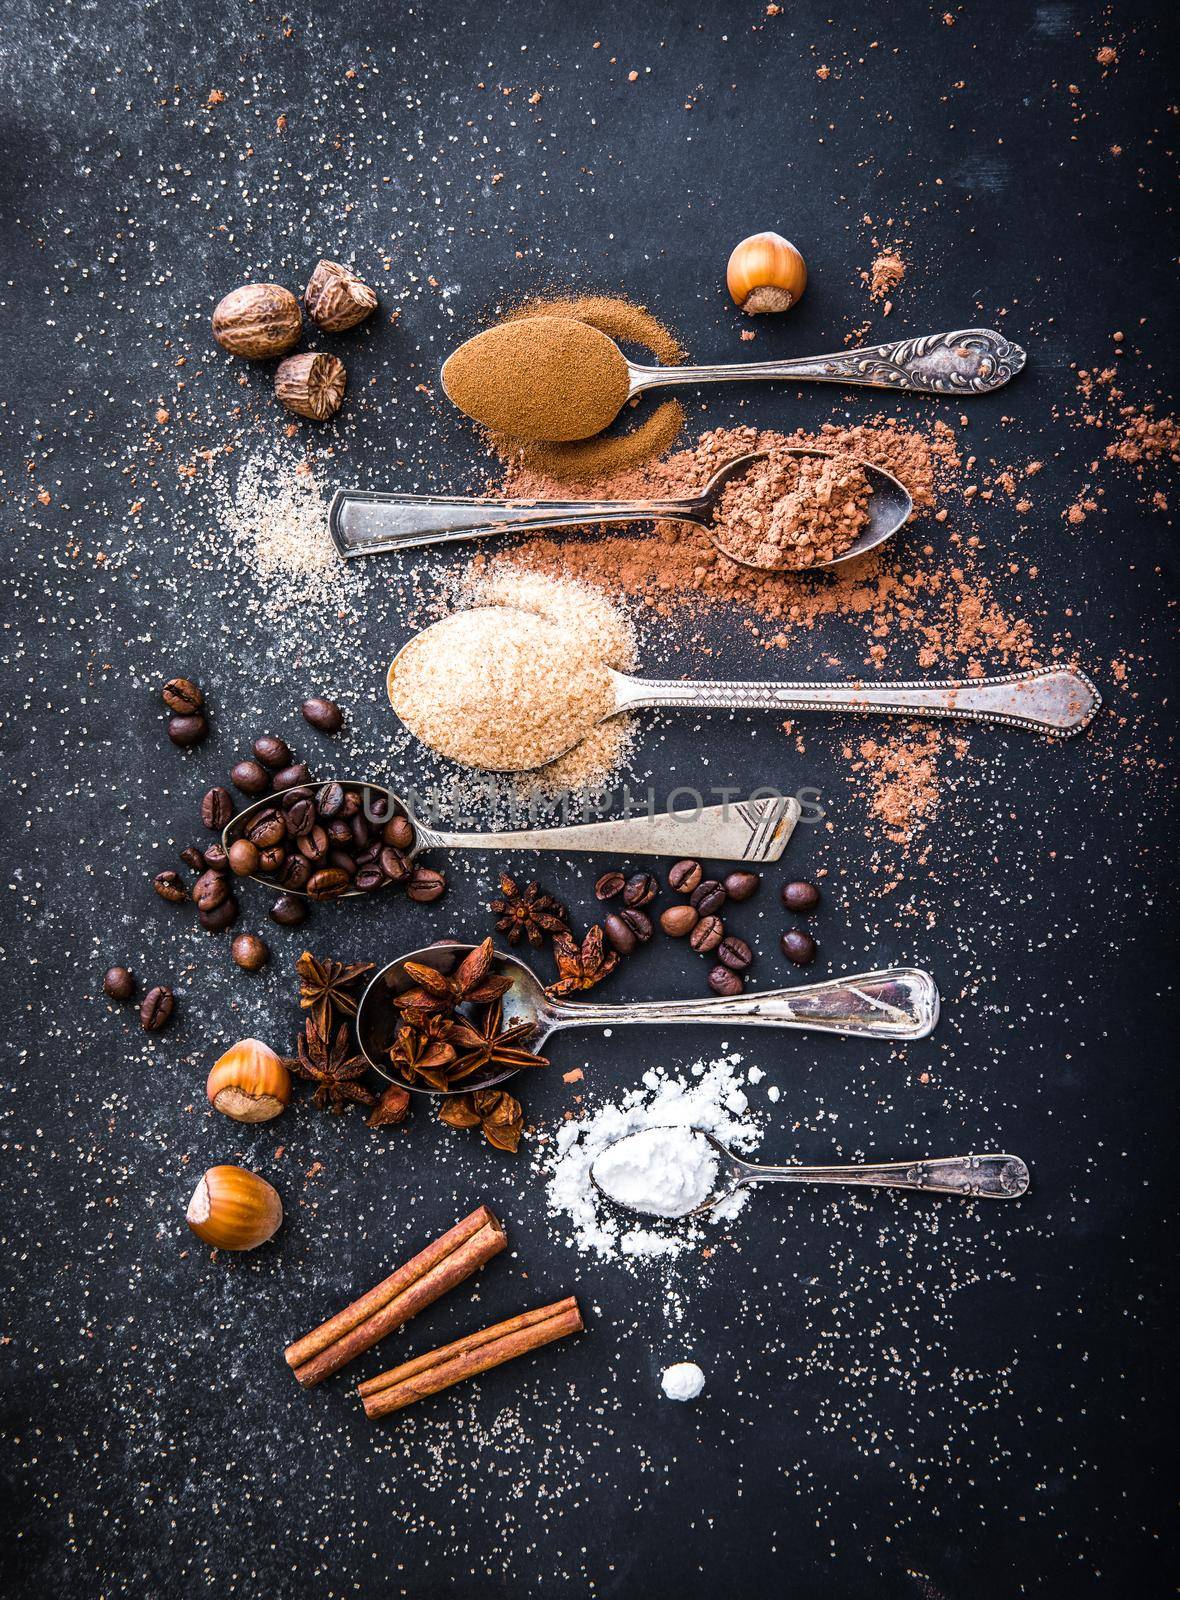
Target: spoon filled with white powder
[[680, 1171]]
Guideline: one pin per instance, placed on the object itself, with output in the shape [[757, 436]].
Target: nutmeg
[[249, 1082], [766, 273], [336, 298], [233, 1209], [311, 384], [259, 320]]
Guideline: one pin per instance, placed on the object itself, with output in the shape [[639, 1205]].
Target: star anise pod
[[327, 988], [472, 981], [581, 966], [487, 1043], [422, 1050], [392, 1108], [494, 1111], [331, 1067], [527, 913]]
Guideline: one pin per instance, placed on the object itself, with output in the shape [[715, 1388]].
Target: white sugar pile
[[711, 1097]]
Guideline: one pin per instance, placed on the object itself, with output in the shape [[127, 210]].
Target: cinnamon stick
[[468, 1357], [453, 1256]]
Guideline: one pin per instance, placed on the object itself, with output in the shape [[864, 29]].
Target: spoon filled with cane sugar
[[553, 378], [507, 690], [681, 1171]]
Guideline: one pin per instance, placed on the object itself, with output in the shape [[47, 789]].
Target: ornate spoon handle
[[747, 830], [1058, 700], [894, 1003], [963, 362], [998, 1177]]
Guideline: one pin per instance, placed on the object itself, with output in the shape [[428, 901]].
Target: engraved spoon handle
[[366, 523], [1057, 700], [745, 830], [962, 362], [893, 1003], [989, 1177]]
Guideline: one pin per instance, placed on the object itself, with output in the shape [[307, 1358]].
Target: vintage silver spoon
[[1052, 700], [893, 1003], [962, 362], [365, 523], [741, 830], [985, 1177]]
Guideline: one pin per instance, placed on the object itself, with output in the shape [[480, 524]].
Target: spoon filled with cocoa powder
[[554, 378], [507, 690], [790, 508]]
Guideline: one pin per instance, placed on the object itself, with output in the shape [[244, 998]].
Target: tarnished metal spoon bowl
[[892, 1003]]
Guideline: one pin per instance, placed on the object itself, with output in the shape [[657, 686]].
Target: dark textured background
[[904, 1397]]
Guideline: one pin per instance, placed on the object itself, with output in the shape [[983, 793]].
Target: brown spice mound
[[886, 272], [793, 511], [900, 771], [539, 378], [588, 459], [1145, 437]]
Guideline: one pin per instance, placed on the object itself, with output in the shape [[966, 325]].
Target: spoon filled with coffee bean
[[825, 515], [501, 689], [344, 837], [893, 1003]]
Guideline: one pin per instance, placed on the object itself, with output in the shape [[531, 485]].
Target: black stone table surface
[[904, 1396]]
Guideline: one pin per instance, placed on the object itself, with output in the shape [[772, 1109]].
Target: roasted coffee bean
[[250, 952], [722, 981], [215, 857], [798, 947], [221, 917], [610, 886], [342, 859], [361, 832], [369, 878], [620, 935], [288, 911], [327, 882], [734, 953], [272, 752], [217, 807], [394, 865], [300, 816], [638, 921], [244, 857], [708, 897], [398, 832], [325, 716], [118, 983], [156, 1011], [295, 872], [352, 803], [800, 897], [707, 934], [269, 827], [192, 857], [741, 885], [183, 696], [186, 731], [170, 886], [376, 807], [641, 890], [426, 885], [330, 801], [272, 858], [677, 921], [340, 831], [210, 889], [685, 876], [291, 777], [250, 777], [314, 844]]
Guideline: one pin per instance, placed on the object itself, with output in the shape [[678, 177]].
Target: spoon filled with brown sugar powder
[[506, 690], [553, 378], [772, 510]]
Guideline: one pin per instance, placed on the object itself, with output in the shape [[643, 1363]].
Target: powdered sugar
[[661, 1172], [710, 1096]]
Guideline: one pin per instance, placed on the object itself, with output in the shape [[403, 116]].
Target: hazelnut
[[249, 1082], [312, 385], [233, 1209], [258, 321], [336, 298], [765, 273]]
